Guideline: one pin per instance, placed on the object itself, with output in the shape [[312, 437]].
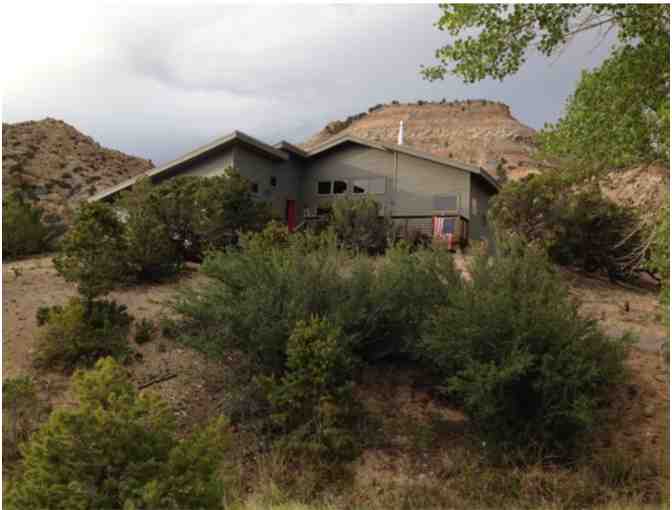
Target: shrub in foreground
[[259, 293], [23, 232], [118, 449], [312, 401], [512, 347], [74, 336]]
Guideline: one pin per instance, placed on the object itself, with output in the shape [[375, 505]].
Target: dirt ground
[[640, 413]]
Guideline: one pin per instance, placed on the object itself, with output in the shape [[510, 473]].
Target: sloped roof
[[280, 152], [218, 144]]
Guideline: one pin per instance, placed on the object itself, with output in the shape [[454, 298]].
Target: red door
[[291, 215]]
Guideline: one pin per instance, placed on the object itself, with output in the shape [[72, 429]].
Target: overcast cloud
[[156, 82]]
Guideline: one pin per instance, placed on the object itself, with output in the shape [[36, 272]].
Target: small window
[[377, 186], [274, 181], [474, 207], [446, 203], [324, 188], [254, 187], [340, 187], [360, 186]]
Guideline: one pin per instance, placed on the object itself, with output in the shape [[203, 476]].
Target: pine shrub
[[151, 254], [79, 333], [312, 402], [118, 449], [92, 251], [512, 347]]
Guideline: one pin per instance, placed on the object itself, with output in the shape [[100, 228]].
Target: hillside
[[58, 166], [481, 132]]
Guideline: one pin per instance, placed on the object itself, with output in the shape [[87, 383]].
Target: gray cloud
[[158, 81]]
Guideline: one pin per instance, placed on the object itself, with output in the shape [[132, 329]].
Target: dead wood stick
[[157, 381]]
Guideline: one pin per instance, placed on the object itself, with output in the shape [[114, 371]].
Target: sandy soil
[[31, 283]]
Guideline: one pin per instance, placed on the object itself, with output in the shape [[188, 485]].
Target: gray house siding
[[259, 169], [348, 163], [421, 184], [209, 166]]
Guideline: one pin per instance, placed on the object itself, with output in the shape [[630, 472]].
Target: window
[[474, 207], [446, 202], [254, 187], [340, 187], [274, 181], [377, 186], [324, 188], [360, 186]]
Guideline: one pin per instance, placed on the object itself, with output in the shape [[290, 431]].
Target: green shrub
[[42, 313], [256, 296], [74, 337], [574, 223], [144, 331], [359, 224], [312, 401], [118, 449], [512, 347], [23, 232], [151, 254], [207, 213], [22, 413], [92, 251], [259, 293]]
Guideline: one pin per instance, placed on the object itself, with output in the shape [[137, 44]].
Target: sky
[[159, 80]]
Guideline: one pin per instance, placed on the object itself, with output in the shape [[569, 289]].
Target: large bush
[[205, 213], [118, 449], [359, 224], [259, 293], [23, 232], [78, 334], [574, 223], [151, 253], [512, 347], [93, 251]]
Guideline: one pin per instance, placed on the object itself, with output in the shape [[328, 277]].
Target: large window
[[360, 186], [324, 188], [374, 186], [340, 187]]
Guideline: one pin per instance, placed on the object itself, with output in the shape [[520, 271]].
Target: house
[[414, 188]]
